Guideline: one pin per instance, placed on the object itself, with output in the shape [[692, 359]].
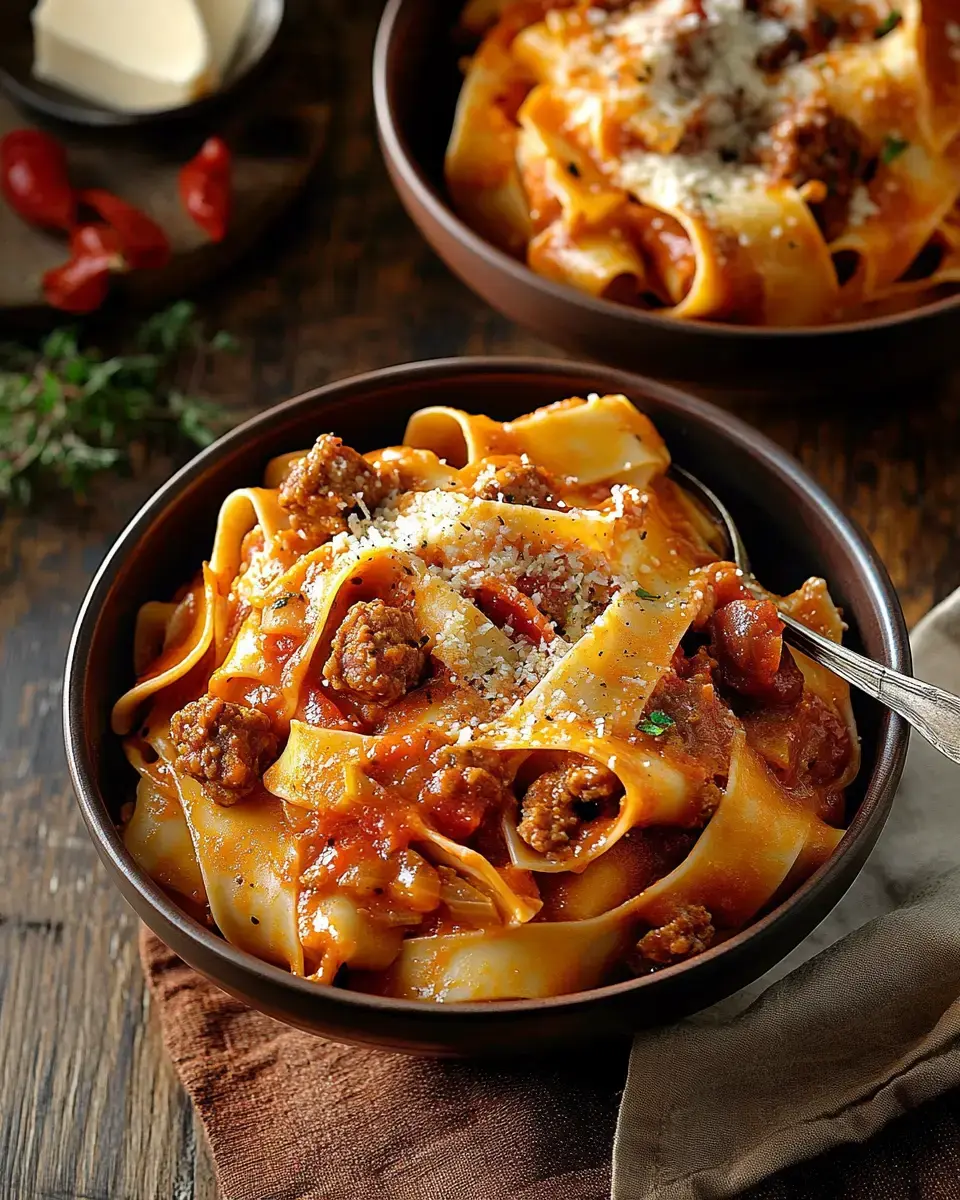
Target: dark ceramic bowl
[[792, 530], [416, 80]]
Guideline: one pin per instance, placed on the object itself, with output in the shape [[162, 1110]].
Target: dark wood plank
[[88, 1105]]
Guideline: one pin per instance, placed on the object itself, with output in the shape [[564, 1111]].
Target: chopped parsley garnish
[[893, 147], [888, 24], [643, 594], [655, 723]]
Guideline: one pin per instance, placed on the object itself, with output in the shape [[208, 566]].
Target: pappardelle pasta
[[481, 716], [765, 162]]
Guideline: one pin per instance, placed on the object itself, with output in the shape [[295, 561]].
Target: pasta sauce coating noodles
[[764, 162], [481, 716]]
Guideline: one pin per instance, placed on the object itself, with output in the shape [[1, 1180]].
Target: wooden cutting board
[[275, 125]]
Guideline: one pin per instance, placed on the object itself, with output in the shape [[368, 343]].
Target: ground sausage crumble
[[468, 782], [557, 802], [814, 143], [690, 932], [377, 654], [324, 486], [518, 483], [223, 745]]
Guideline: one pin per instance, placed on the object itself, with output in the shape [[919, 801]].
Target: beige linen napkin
[[848, 1039], [826, 1055]]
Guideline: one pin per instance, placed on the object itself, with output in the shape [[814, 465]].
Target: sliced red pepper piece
[[316, 708], [205, 188], [34, 179], [80, 285], [505, 604], [98, 241], [145, 245], [214, 154]]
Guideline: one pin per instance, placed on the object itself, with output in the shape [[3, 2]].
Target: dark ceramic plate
[[792, 530], [17, 80], [416, 81]]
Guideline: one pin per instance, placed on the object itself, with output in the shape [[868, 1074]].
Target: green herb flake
[[643, 594], [285, 600], [893, 147], [655, 723], [888, 24]]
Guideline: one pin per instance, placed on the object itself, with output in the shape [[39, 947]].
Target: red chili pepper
[[33, 176], [205, 188], [144, 244], [98, 241], [80, 285]]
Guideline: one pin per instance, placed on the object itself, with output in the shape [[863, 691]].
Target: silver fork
[[931, 711]]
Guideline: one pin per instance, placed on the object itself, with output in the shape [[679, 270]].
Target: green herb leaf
[[169, 331], [655, 723], [888, 24], [285, 600], [68, 414], [223, 342], [643, 594], [62, 343], [893, 147]]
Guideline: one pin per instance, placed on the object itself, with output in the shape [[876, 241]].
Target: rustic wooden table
[[89, 1108]]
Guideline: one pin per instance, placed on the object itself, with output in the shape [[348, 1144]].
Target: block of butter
[[136, 55]]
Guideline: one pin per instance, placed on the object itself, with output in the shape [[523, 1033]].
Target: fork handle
[[933, 712]]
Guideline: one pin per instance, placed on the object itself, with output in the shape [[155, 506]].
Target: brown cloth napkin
[[864, 1031], [291, 1117]]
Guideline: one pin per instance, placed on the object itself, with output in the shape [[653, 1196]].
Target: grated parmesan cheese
[[693, 70], [862, 207]]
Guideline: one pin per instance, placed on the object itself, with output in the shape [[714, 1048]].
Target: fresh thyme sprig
[[67, 414]]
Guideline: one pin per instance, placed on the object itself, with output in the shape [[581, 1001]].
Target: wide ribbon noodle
[[774, 163], [481, 716]]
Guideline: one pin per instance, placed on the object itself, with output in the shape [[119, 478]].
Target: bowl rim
[[398, 156], [892, 738]]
